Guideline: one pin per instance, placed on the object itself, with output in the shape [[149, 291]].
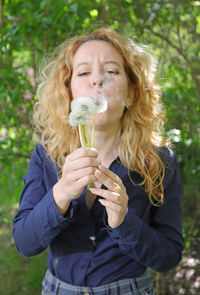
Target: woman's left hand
[[115, 198]]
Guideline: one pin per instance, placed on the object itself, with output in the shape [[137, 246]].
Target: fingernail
[[93, 190], [102, 168], [102, 202], [98, 172], [91, 149]]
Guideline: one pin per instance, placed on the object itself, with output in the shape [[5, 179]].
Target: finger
[[110, 174], [108, 195], [78, 174], [83, 163], [81, 153], [110, 205], [97, 184], [83, 181], [107, 181]]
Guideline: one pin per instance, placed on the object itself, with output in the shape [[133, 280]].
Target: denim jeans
[[139, 286]]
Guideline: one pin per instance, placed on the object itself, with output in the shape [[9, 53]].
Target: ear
[[131, 94]]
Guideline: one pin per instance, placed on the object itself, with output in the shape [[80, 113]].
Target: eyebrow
[[82, 64], [112, 62], [106, 62]]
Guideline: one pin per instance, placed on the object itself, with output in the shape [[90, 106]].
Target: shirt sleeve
[[157, 244], [38, 221]]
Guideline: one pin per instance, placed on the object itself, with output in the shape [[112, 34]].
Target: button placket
[[83, 265]]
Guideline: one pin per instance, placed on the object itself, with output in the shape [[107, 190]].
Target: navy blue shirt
[[83, 249]]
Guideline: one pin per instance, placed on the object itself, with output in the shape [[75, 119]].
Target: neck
[[105, 141]]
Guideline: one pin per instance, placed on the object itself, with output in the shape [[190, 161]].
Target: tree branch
[[194, 71], [177, 17]]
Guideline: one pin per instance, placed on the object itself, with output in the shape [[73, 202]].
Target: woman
[[101, 240]]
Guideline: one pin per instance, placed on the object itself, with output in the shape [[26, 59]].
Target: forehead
[[97, 49]]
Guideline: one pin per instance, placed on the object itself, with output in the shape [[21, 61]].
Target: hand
[[115, 198], [78, 171]]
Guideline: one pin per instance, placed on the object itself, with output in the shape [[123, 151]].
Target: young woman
[[101, 240]]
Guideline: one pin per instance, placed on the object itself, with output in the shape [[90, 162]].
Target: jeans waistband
[[54, 286]]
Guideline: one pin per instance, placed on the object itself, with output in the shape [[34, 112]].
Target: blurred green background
[[30, 29]]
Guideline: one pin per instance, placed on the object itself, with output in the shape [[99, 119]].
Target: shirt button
[[83, 266]]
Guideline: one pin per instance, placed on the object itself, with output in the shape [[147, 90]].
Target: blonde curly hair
[[142, 123]]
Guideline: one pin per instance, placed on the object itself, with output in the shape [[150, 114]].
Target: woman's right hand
[[78, 171]]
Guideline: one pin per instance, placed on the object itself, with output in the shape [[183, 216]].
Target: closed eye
[[83, 74], [112, 72]]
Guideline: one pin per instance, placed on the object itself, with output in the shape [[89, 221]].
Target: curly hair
[[142, 123]]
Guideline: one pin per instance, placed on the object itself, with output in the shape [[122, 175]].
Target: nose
[[96, 81]]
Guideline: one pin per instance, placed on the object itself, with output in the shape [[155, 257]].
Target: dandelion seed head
[[77, 118], [83, 104], [101, 103]]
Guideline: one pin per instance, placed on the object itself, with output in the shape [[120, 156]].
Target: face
[[98, 69]]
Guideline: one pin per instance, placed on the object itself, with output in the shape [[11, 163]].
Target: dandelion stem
[[90, 185], [92, 139], [87, 136], [92, 144], [81, 135]]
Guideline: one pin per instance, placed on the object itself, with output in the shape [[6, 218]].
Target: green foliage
[[30, 29]]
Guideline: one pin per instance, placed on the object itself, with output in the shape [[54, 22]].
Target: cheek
[[75, 90], [120, 91], [79, 87], [72, 88]]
